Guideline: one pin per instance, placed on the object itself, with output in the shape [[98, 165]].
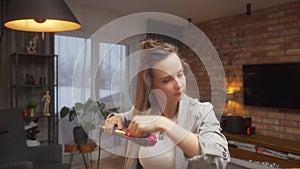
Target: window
[[111, 67], [67, 48], [82, 76], [75, 62]]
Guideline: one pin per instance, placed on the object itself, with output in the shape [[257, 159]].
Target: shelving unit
[[32, 76], [276, 144]]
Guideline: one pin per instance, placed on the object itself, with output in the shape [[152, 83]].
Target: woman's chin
[[179, 97]]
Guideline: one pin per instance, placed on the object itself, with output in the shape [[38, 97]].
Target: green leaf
[[32, 105], [79, 106], [89, 125], [105, 114], [101, 106], [87, 104], [72, 115], [116, 110], [93, 107], [64, 112]]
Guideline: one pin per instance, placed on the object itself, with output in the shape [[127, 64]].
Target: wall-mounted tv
[[272, 85]]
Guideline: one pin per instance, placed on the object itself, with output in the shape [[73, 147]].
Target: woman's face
[[168, 76]]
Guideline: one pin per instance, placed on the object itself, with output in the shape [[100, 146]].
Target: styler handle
[[149, 140]]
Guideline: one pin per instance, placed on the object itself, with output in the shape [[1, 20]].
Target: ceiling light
[[40, 16]]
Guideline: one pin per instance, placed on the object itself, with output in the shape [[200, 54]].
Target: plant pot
[[31, 112], [80, 136]]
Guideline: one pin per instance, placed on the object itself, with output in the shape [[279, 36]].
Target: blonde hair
[[153, 52]]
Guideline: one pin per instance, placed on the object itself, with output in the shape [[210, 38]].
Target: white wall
[[90, 19]]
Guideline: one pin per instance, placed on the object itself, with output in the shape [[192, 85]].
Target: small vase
[[31, 112], [80, 136]]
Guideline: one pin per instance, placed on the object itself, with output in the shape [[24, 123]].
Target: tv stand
[[270, 143]]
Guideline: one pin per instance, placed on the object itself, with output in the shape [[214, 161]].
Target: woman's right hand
[[113, 122]]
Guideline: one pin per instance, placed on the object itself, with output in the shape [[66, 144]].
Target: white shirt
[[200, 119], [161, 155]]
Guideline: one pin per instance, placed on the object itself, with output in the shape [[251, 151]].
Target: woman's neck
[[171, 110]]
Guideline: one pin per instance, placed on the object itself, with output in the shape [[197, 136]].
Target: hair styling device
[[149, 140]]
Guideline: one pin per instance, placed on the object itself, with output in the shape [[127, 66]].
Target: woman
[[188, 131]]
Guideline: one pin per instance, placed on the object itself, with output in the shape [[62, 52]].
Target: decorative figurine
[[31, 45], [46, 98], [32, 130], [29, 79]]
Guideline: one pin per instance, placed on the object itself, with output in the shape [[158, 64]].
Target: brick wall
[[270, 35]]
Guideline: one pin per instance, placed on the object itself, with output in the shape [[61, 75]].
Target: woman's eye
[[166, 80], [180, 75]]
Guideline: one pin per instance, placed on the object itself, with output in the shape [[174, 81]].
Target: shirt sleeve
[[213, 144], [126, 116]]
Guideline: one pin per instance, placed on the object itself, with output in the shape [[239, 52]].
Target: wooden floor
[[108, 163]]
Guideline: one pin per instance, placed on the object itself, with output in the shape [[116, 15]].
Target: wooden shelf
[[283, 145], [31, 76], [266, 141]]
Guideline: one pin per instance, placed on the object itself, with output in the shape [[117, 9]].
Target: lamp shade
[[40, 16]]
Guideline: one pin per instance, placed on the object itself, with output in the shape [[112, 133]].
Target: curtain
[[68, 48], [91, 69]]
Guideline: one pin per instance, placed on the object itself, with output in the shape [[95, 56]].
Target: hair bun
[[158, 44], [150, 43]]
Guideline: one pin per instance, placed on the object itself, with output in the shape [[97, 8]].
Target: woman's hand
[[114, 122], [141, 125]]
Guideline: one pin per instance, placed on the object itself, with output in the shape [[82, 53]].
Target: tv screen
[[272, 85]]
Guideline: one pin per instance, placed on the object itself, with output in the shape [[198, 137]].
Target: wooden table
[[86, 148]]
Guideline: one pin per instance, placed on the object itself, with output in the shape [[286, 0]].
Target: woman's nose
[[178, 83]]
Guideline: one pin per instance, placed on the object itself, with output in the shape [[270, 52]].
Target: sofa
[[14, 152]]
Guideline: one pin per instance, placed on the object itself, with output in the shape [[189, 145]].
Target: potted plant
[[82, 114], [31, 108]]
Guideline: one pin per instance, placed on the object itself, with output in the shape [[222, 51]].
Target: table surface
[[267, 141]]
